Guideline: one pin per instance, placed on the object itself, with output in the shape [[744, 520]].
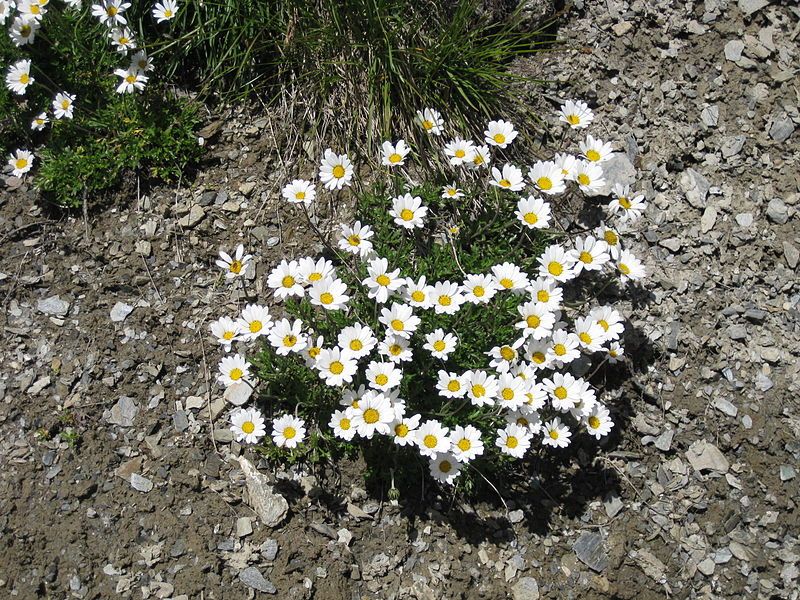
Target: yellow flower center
[[65, 104], [499, 138], [354, 240], [228, 335], [24, 79], [508, 353], [430, 441], [593, 155], [300, 196], [624, 269], [594, 422], [344, 424], [445, 466], [381, 379], [439, 345], [505, 183], [533, 321], [395, 158], [236, 267], [478, 291], [613, 353], [508, 394], [406, 214], [464, 444], [478, 390], [255, 326], [554, 434], [356, 345], [418, 296], [555, 268], [397, 325], [21, 163], [289, 341], [25, 30], [560, 349], [583, 179], [112, 11], [383, 280], [371, 416], [538, 357], [248, 427], [544, 183], [130, 79], [507, 283], [123, 40], [338, 171], [288, 281], [610, 237], [512, 442], [460, 153], [401, 430], [624, 202], [585, 337], [585, 257], [168, 13], [445, 300], [236, 374], [336, 368], [478, 160], [603, 323], [454, 385], [326, 298], [315, 277], [560, 392], [289, 433], [531, 218], [573, 119], [35, 9], [314, 352], [427, 125], [395, 349]]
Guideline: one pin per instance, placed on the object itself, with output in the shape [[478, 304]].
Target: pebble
[[238, 393], [253, 578], [622, 28], [613, 504], [196, 214], [270, 506], [53, 306], [527, 588], [141, 483], [618, 169], [123, 412], [744, 219], [516, 516], [748, 7], [704, 456], [791, 254], [120, 311], [737, 332], [710, 115], [180, 421], [590, 551], [708, 219], [269, 550], [726, 406], [733, 145], [243, 527], [781, 130], [747, 422], [777, 211], [706, 566], [787, 472], [695, 187], [733, 50], [664, 441], [247, 188]]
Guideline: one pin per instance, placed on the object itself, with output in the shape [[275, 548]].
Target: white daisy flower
[[236, 265], [255, 322], [285, 281], [355, 239], [451, 385], [351, 398], [563, 390], [505, 356], [299, 191], [288, 431], [31, 9], [599, 423], [481, 387], [63, 105], [329, 293], [500, 133], [545, 291], [611, 238], [165, 10], [133, 80], [615, 352], [226, 331], [531, 421], [440, 344], [509, 276], [466, 443], [335, 170], [452, 191], [6, 10], [141, 61], [590, 254], [537, 320], [459, 151], [408, 211], [536, 354], [312, 350], [396, 348], [287, 336], [586, 400], [432, 438], [418, 293], [513, 440], [557, 264], [430, 120], [311, 271], [39, 121], [576, 114], [567, 163], [535, 398], [481, 158], [445, 468], [630, 268], [555, 434], [111, 12], [510, 178], [510, 391], [589, 177], [447, 298], [18, 77], [627, 207], [233, 369], [374, 413], [357, 339], [21, 161], [383, 376], [595, 150], [394, 155], [479, 289], [381, 281], [399, 320], [335, 366], [590, 334], [533, 212], [123, 39], [247, 425], [404, 430], [23, 30], [563, 348], [547, 177], [341, 423]]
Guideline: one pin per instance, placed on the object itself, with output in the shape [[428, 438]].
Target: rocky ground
[[112, 485]]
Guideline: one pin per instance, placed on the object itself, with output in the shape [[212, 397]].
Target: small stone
[[748, 7], [777, 211], [733, 145], [345, 536], [196, 214], [618, 169], [269, 550], [763, 383], [755, 315], [673, 244], [144, 248], [781, 130], [612, 504], [706, 566], [243, 527], [664, 441], [737, 332], [253, 578], [527, 588], [744, 219], [141, 483], [180, 421], [516, 516], [733, 50], [622, 28], [726, 406], [747, 422], [695, 187], [791, 254], [53, 306], [270, 506], [38, 385], [120, 311], [247, 188], [123, 412], [238, 393], [708, 219], [590, 551], [704, 456], [710, 116], [787, 472]]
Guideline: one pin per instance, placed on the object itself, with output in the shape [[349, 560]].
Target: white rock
[[704, 456], [120, 311], [270, 507], [733, 50], [238, 393]]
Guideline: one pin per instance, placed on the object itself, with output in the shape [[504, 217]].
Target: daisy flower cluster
[[28, 17], [366, 335]]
